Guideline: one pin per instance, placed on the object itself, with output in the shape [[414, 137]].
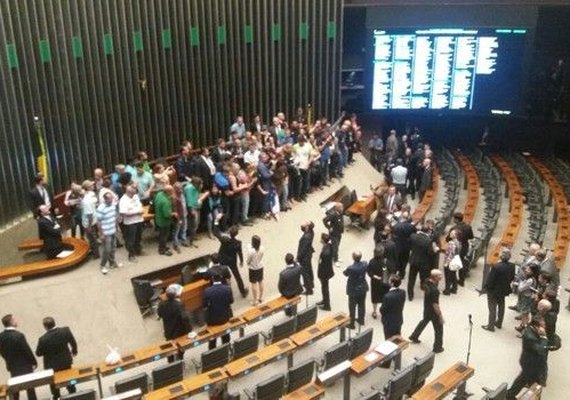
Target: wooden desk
[[320, 329], [192, 295], [189, 386], [211, 332], [147, 216], [362, 210], [366, 362], [75, 375], [142, 356], [309, 391], [445, 383], [3, 391], [273, 352], [80, 253], [269, 308]]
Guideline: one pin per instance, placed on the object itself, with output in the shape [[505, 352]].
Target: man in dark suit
[[392, 200], [356, 289], [421, 258], [175, 319], [289, 283], [50, 233], [392, 308], [335, 225], [465, 233], [401, 234], [217, 303], [426, 182], [432, 312], [17, 353], [58, 347], [305, 255], [498, 286], [205, 169], [218, 269], [230, 251], [40, 195], [325, 271]]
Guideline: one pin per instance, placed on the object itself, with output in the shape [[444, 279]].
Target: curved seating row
[[80, 253], [424, 206], [561, 204], [511, 231], [472, 186]]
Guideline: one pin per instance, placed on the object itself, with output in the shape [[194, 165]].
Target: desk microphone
[[470, 322]]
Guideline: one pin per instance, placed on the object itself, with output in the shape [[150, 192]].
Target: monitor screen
[[469, 69]]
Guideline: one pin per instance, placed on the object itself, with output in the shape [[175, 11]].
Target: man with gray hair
[[432, 312], [498, 286]]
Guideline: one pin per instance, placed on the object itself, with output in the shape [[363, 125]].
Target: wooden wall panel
[[110, 77]]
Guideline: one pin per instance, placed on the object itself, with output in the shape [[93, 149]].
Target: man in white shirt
[[251, 156], [131, 209], [399, 176], [89, 216], [303, 157]]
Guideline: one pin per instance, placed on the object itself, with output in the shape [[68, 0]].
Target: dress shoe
[[350, 326], [440, 350], [461, 283], [245, 293], [519, 328], [514, 308], [488, 328], [410, 297], [414, 340], [308, 293], [324, 307], [446, 292], [518, 317], [498, 326], [320, 303]]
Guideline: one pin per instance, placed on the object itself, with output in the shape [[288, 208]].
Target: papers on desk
[[334, 373], [386, 348], [64, 253], [371, 357]]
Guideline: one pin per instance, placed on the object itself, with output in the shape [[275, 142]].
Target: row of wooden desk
[[562, 217], [472, 186], [245, 365], [425, 205], [163, 349], [514, 222]]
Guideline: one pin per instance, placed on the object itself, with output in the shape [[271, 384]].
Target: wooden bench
[[361, 211], [371, 359], [429, 196], [189, 386], [268, 308], [80, 253], [192, 295], [211, 332], [75, 375], [310, 391], [273, 352], [141, 356], [444, 384], [320, 329], [473, 187]]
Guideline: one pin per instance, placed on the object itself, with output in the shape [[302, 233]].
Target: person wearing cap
[[217, 303], [89, 216], [175, 319]]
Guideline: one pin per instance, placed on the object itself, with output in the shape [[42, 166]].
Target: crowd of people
[[259, 172]]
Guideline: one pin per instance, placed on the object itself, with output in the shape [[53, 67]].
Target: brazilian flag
[[40, 152]]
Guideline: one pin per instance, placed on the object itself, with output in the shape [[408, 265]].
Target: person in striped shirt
[[107, 226]]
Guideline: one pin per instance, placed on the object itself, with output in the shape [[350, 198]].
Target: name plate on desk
[[29, 381]]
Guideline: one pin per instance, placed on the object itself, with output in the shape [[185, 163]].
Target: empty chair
[[306, 318], [81, 395], [245, 345], [213, 358], [499, 393], [300, 375], [399, 384], [147, 296], [373, 395], [281, 330], [336, 354], [138, 381], [167, 374], [423, 368], [270, 389], [360, 343]]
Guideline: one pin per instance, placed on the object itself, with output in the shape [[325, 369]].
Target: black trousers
[[495, 303], [237, 276], [437, 329], [307, 274], [450, 279], [403, 258], [392, 330], [335, 242], [526, 377], [133, 233], [355, 302], [325, 293], [424, 274], [163, 236], [31, 392]]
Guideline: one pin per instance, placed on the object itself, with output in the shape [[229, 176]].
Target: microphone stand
[[461, 393], [470, 339]]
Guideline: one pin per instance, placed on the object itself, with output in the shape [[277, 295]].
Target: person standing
[[325, 271], [533, 357], [17, 353], [107, 226], [335, 225], [399, 178], [164, 215], [432, 312], [40, 195], [89, 217], [401, 233], [426, 182], [230, 251], [392, 308], [217, 303], [58, 347], [453, 249], [498, 286], [131, 210], [254, 262], [356, 288], [421, 257], [464, 234], [289, 283], [376, 271], [175, 319], [305, 256]]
